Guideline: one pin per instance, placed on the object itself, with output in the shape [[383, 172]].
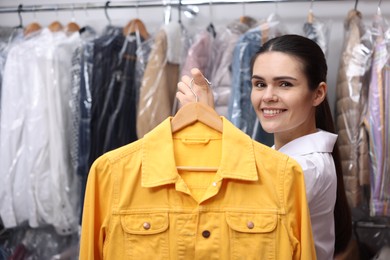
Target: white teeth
[[272, 111]]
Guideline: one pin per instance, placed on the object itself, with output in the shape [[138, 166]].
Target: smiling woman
[[289, 96], [282, 99]]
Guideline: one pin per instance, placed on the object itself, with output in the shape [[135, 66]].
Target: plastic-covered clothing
[[138, 204], [317, 31], [113, 111], [8, 36], [159, 84], [38, 185], [199, 55], [378, 119], [222, 56], [241, 112], [351, 103]]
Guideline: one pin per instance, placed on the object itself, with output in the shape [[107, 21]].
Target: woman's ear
[[320, 94]]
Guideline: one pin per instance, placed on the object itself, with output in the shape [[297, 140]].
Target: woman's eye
[[259, 84], [285, 84]]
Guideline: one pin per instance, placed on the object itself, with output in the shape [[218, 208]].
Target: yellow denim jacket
[[138, 205]]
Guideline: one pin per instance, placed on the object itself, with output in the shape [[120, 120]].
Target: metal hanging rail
[[135, 4]]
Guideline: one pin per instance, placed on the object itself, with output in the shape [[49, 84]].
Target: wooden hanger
[[196, 112], [55, 26], [190, 114], [72, 27], [310, 17], [32, 27], [134, 26], [249, 21]]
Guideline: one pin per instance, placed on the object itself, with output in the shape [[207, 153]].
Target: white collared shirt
[[38, 185], [314, 153]]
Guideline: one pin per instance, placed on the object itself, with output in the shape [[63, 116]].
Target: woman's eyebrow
[[284, 78], [275, 78]]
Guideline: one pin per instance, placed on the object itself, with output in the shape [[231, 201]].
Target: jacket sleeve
[[96, 209], [298, 215]]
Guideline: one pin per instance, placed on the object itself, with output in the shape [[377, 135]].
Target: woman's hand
[[200, 88]]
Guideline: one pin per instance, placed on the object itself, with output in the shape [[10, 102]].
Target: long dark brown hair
[[315, 69]]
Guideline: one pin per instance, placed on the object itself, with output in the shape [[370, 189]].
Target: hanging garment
[[8, 37], [351, 97], [240, 110], [78, 100], [159, 85], [317, 31], [82, 63], [139, 204], [313, 152], [83, 66], [113, 111], [377, 121], [222, 57], [199, 55], [39, 185], [143, 52]]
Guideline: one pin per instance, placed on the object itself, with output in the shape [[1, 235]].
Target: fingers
[[184, 93], [202, 87], [200, 91], [184, 89], [199, 78]]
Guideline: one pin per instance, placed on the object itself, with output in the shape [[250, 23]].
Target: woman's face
[[281, 96]]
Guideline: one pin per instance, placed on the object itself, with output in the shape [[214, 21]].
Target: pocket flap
[[145, 224], [251, 222]]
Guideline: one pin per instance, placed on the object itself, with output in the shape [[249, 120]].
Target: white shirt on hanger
[[314, 153], [34, 159]]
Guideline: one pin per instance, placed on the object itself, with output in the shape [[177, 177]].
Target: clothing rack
[[138, 4]]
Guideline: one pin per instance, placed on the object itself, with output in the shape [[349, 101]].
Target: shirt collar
[[319, 142], [158, 164]]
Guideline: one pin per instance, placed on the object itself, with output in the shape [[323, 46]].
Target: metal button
[[214, 184], [146, 225], [206, 234], [250, 224]]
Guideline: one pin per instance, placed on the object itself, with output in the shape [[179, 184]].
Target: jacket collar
[[158, 163]]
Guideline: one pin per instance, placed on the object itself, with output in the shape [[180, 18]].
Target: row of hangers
[[138, 25], [133, 26]]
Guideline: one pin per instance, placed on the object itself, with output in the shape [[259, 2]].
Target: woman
[[289, 97]]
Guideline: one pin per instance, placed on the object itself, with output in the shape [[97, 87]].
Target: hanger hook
[[311, 5], [106, 12], [73, 17], [192, 90], [211, 9], [34, 12], [86, 9], [379, 7], [137, 8], [20, 7], [179, 9], [167, 11], [56, 9], [356, 4], [243, 9]]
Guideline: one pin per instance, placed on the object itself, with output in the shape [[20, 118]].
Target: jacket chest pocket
[[252, 235], [146, 235]]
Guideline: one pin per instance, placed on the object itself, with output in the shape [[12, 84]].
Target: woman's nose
[[270, 94]]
